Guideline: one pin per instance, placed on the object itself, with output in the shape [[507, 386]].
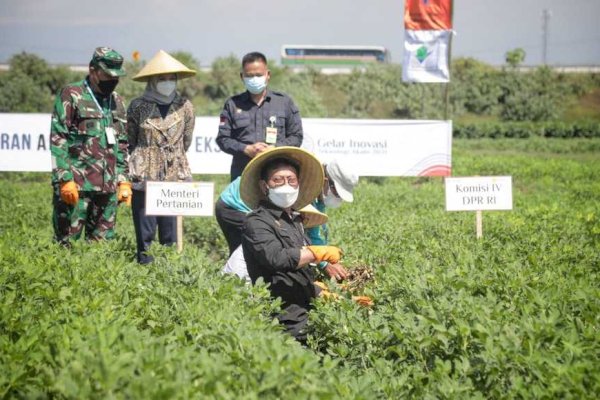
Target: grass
[[586, 108]]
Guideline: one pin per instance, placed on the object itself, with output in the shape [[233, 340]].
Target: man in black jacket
[[276, 184], [257, 119]]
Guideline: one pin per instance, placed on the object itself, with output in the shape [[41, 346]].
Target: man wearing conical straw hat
[[275, 184], [160, 129]]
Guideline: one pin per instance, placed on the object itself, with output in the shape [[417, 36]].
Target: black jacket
[[242, 122], [271, 242]]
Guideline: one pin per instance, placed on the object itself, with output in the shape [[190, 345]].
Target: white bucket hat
[[343, 178]]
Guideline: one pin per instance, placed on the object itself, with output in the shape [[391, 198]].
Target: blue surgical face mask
[[256, 84]]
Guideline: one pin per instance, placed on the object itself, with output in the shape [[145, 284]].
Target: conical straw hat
[[312, 217], [163, 63]]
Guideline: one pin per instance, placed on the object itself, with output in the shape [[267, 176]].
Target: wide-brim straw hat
[[310, 179], [163, 63], [312, 217]]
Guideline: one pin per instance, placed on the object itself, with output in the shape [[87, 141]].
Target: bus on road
[[333, 56]]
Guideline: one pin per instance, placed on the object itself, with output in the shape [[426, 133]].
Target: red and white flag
[[427, 31]]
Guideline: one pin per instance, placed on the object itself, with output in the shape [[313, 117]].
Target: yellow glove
[[330, 254], [124, 193], [69, 193]]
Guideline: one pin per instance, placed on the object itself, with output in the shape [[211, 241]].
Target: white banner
[[25, 142], [374, 147], [426, 56], [382, 147]]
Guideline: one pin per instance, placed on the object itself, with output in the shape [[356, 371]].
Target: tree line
[[478, 91]]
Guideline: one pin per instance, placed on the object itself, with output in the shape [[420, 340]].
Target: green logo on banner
[[422, 54]]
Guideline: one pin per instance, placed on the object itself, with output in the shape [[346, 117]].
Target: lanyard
[[96, 101]]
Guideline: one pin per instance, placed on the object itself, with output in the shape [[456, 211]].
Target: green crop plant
[[513, 315]]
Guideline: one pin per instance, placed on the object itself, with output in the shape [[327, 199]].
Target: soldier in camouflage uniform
[[89, 152]]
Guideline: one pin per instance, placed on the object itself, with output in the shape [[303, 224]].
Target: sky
[[67, 31]]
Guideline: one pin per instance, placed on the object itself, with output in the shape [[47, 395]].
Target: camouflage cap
[[108, 60]]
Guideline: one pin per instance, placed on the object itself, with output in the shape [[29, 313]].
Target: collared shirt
[[271, 241], [243, 122]]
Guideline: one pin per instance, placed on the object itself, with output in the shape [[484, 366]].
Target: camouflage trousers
[[95, 211]]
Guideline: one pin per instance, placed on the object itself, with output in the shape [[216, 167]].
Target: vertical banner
[[427, 31]]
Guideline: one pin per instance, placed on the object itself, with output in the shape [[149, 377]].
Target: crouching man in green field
[[276, 184], [89, 152]]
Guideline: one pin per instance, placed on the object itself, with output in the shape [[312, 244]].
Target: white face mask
[[283, 196], [166, 88], [331, 200], [256, 84]]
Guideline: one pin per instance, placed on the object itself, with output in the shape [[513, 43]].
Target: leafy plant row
[[514, 315], [578, 129]]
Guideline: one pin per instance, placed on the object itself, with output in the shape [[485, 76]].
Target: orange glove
[[364, 301], [124, 193], [69, 193], [325, 292], [327, 295], [330, 254]]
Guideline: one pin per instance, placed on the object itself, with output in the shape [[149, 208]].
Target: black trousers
[[231, 222], [146, 225]]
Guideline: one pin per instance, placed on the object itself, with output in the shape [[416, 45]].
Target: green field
[[513, 315]]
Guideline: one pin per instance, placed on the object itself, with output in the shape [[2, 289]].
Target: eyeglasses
[[281, 180]]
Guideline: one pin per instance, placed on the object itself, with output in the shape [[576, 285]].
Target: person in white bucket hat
[[338, 187], [160, 127], [341, 179]]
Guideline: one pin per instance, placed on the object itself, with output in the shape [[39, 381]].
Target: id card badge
[[271, 135], [110, 135]]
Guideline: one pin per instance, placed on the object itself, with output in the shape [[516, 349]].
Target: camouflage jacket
[[80, 141]]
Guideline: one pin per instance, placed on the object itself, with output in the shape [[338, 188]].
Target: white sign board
[[479, 193], [373, 147], [180, 198]]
